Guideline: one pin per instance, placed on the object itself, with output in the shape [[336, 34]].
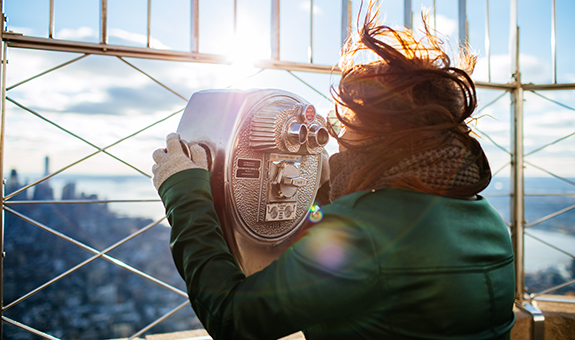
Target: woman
[[407, 249]]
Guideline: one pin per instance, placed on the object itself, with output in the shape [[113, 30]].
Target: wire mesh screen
[[92, 89]]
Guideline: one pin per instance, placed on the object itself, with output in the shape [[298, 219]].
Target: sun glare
[[248, 48]]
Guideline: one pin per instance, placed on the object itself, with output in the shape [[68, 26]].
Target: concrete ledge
[[559, 319], [201, 334], [559, 323]]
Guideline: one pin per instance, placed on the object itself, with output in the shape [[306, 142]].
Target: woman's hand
[[177, 156]]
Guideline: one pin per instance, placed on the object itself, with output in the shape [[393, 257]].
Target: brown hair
[[410, 100]]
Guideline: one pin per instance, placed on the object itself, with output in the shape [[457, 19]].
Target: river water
[[540, 256]]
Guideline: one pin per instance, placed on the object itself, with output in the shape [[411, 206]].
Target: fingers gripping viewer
[[407, 248]]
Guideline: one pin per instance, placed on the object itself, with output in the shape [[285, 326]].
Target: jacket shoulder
[[350, 200]]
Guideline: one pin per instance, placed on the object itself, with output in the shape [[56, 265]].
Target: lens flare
[[315, 214]]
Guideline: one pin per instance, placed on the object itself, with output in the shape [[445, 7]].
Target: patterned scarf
[[441, 169]]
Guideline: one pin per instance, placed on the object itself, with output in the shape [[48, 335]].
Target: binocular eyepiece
[[288, 130], [297, 133], [318, 136]]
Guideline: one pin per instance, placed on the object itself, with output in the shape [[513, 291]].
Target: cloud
[[24, 30], [99, 85], [137, 38], [76, 34], [533, 69], [446, 27], [304, 6], [128, 100]]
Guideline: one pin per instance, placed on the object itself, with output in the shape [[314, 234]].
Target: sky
[[102, 99]]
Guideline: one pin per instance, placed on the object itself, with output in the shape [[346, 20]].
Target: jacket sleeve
[[325, 275]]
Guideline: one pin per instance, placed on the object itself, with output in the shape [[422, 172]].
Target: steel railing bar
[[48, 71], [97, 255], [51, 20], [308, 85], [500, 169], [462, 16], [552, 195], [491, 102], [76, 136], [549, 144], [195, 26], [104, 22], [143, 129], [69, 271], [554, 40], [310, 48], [553, 101], [492, 141], [31, 202], [407, 14], [550, 173], [550, 216], [50, 122], [91, 155], [235, 20], [22, 41], [496, 195], [28, 328], [487, 41], [152, 78], [157, 321], [148, 30], [3, 62], [345, 20], [275, 30], [550, 245], [485, 134], [494, 86], [547, 299], [548, 87], [534, 295]]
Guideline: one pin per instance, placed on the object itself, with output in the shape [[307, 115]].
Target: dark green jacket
[[388, 264]]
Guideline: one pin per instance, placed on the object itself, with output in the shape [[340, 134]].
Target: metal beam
[[345, 20], [21, 41], [462, 8], [51, 20], [554, 40], [548, 87], [494, 86], [487, 41], [407, 14], [149, 25], [195, 27], [517, 190], [310, 48], [104, 22], [275, 30], [517, 203]]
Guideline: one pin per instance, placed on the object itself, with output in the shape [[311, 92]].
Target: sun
[[248, 48]]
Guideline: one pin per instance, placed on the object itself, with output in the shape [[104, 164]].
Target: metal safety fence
[[517, 159]]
